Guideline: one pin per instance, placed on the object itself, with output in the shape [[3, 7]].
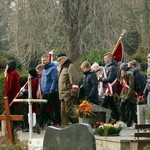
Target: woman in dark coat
[[128, 97]]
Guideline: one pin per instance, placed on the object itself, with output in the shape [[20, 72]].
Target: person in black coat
[[90, 83], [140, 80]]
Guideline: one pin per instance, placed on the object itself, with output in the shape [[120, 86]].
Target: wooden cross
[[8, 119], [30, 101]]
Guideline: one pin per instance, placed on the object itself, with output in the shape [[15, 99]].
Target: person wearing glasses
[[68, 86]]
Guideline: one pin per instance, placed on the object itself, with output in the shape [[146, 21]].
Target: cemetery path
[[37, 139], [24, 136]]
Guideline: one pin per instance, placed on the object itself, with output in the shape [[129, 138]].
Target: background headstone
[[141, 113], [102, 113], [74, 137]]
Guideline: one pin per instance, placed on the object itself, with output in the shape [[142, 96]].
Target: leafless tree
[[33, 27]]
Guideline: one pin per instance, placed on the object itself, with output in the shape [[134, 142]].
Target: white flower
[[101, 126]]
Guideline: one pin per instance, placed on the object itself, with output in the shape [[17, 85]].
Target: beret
[[61, 54]]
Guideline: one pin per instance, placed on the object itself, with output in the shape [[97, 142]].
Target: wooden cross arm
[[12, 117], [31, 100]]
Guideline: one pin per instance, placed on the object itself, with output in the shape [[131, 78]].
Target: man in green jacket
[[68, 83]]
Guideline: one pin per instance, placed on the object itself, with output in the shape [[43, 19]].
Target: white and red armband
[[75, 87]]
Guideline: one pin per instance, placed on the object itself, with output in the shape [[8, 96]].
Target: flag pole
[[51, 53], [121, 35]]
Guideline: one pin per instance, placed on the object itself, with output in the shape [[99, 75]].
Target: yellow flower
[[108, 124]]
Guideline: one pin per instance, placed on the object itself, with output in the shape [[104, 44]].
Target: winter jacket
[[68, 76], [90, 83], [140, 81], [128, 94], [34, 87], [12, 85], [49, 79], [111, 74]]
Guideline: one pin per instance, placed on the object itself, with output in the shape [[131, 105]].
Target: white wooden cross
[[30, 101]]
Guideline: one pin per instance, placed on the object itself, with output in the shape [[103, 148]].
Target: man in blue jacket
[[49, 89]]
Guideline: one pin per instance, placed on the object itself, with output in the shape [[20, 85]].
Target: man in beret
[[68, 87]]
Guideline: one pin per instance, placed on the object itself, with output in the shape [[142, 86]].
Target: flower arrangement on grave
[[84, 110], [108, 129], [97, 124]]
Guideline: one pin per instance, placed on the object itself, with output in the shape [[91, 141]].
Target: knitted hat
[[33, 73], [148, 56], [124, 66], [95, 67], [61, 54]]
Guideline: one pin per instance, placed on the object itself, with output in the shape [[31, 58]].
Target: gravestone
[[141, 113], [74, 137], [101, 112]]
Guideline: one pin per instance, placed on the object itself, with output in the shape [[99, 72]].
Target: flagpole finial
[[123, 31], [51, 53]]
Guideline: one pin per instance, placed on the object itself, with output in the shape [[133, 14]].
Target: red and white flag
[[51, 53]]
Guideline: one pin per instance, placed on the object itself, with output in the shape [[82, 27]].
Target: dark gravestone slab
[[74, 137], [99, 116], [100, 112]]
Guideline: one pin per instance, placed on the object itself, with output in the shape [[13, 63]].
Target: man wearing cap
[[68, 87], [148, 79]]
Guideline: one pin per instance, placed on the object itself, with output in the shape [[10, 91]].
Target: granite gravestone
[[141, 113], [74, 137], [100, 112]]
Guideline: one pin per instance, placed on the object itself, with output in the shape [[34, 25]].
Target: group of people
[[103, 85], [59, 88], [62, 88]]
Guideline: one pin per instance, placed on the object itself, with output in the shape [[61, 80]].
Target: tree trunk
[[75, 15], [146, 24]]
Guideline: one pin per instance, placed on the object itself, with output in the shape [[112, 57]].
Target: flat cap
[[61, 54]]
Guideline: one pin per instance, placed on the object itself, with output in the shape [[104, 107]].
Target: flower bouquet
[[84, 110], [109, 129]]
